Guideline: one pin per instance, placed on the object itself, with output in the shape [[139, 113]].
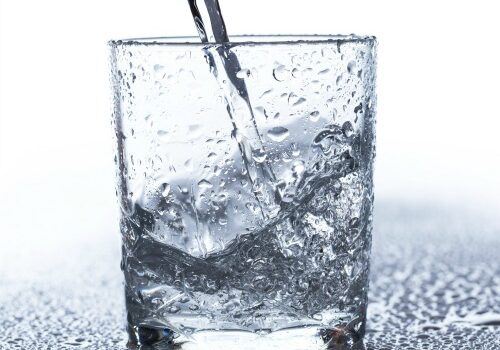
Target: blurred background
[[438, 119]]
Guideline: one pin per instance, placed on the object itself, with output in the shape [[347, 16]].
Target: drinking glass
[[246, 196]]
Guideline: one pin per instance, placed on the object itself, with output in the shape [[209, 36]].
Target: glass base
[[297, 338]]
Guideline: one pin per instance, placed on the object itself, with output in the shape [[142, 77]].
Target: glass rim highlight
[[247, 40]]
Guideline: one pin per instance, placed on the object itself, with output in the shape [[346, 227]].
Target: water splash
[[226, 68]]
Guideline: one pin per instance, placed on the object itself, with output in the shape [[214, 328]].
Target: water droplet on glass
[[314, 116], [299, 101], [266, 93], [223, 221], [194, 131], [259, 155], [205, 184], [280, 73], [338, 80], [243, 73], [326, 139], [278, 133], [351, 66], [262, 111], [173, 309], [189, 164], [165, 189], [347, 129], [158, 67], [217, 170], [317, 317], [358, 108], [162, 133]]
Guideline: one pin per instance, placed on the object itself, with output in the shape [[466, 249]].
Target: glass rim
[[247, 40]]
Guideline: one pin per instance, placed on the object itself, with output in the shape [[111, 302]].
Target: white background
[[438, 88]]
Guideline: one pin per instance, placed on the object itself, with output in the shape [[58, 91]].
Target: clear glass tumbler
[[244, 176]]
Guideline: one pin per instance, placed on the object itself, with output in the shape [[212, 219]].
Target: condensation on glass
[[255, 217]]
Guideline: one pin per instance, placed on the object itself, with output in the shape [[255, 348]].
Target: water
[[306, 267], [226, 68], [74, 298], [208, 19], [277, 238]]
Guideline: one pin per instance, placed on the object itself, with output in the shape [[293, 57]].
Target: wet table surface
[[435, 284]]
